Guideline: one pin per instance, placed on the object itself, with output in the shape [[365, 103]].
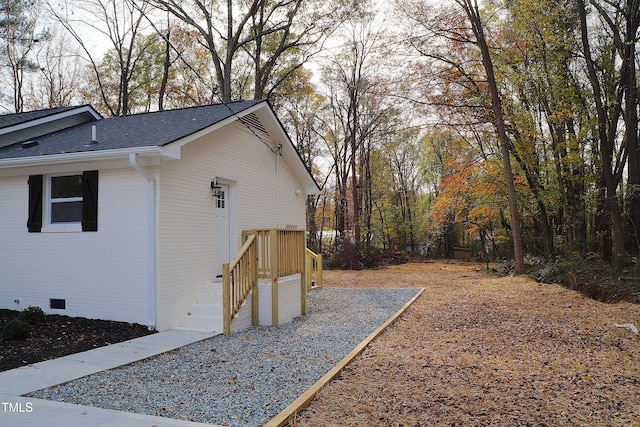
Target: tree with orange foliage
[[468, 195]]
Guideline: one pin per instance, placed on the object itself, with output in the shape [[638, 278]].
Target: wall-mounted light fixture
[[216, 189], [298, 191], [214, 183], [217, 193]]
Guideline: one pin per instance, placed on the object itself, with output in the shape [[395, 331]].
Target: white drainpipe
[[151, 239]]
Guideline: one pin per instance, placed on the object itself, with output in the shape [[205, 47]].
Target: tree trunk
[[606, 138], [165, 71], [631, 135], [473, 13]]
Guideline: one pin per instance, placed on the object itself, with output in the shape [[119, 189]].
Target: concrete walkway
[[22, 411]]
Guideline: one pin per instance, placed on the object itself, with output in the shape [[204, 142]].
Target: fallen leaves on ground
[[479, 350]]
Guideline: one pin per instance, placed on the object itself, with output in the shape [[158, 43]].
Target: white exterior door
[[222, 236]]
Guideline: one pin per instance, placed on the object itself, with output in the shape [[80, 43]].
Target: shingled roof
[[7, 120], [140, 130]]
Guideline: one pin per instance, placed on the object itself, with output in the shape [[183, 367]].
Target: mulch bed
[[60, 336]]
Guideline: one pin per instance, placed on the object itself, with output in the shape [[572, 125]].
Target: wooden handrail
[[313, 269], [267, 254], [239, 278]]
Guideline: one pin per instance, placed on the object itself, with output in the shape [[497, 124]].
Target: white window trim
[[47, 225]]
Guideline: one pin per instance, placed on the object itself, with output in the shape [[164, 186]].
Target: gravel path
[[247, 378]]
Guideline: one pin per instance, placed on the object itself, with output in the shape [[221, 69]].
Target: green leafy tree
[[607, 87], [543, 106]]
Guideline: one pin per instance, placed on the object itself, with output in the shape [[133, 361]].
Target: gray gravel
[[247, 378]]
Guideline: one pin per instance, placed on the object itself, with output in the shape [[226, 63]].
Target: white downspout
[[151, 240]]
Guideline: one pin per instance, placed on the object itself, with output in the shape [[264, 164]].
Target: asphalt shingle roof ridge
[[192, 107]]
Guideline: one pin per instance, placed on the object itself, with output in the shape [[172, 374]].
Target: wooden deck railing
[[313, 269], [283, 258], [267, 254], [239, 278]]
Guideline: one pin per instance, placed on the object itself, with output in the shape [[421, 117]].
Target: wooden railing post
[[226, 299], [307, 269], [301, 254], [255, 304], [319, 271], [313, 269]]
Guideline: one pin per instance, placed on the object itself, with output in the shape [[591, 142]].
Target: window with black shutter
[[64, 202]]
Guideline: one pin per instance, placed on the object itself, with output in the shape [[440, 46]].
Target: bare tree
[[360, 110], [268, 32], [57, 82], [18, 40], [119, 22]]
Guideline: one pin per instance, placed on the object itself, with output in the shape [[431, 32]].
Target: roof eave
[[18, 166]]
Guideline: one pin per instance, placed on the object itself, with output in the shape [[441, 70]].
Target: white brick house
[[131, 218]]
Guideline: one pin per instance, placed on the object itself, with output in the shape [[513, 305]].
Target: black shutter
[[90, 201], [34, 222]]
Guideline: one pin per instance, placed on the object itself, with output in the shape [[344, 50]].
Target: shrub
[[372, 257], [593, 278], [16, 330], [552, 272], [32, 315], [345, 257]]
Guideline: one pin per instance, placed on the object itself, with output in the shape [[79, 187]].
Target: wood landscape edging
[[305, 398]]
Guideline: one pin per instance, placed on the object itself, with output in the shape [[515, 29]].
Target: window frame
[[47, 224]]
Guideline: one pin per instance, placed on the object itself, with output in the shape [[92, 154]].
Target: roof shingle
[[7, 120], [139, 130]]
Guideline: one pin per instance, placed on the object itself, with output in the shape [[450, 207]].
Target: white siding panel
[[289, 299], [101, 275], [264, 299], [262, 188]]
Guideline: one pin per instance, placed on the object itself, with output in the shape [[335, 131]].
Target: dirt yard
[[478, 350]]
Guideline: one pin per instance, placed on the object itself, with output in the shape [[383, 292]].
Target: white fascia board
[[149, 156]]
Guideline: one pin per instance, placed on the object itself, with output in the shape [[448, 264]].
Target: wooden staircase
[[267, 256]]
